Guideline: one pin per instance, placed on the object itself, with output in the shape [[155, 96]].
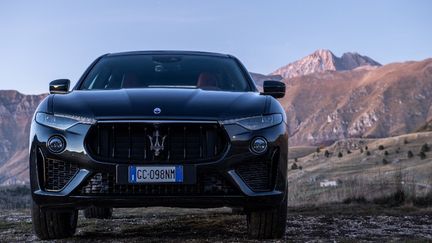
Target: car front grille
[[131, 142], [58, 173], [209, 184]]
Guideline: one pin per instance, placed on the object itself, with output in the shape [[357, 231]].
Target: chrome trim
[[156, 121], [43, 167]]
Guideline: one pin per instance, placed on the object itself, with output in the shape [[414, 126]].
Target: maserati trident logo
[[156, 142], [157, 111]]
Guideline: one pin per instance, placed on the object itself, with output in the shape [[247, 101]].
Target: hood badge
[[156, 142], [157, 111]]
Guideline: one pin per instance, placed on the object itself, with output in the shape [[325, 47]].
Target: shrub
[[359, 200], [295, 159], [386, 153], [395, 199], [366, 148], [422, 155], [381, 147], [318, 149], [348, 151], [340, 154], [410, 154], [300, 167], [425, 148], [368, 153], [384, 161], [361, 150], [14, 197], [405, 141], [423, 201], [327, 153], [294, 166], [398, 150]]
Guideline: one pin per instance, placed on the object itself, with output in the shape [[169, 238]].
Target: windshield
[[167, 71]]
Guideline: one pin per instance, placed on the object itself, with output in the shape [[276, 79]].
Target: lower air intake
[[260, 175], [58, 173], [210, 184]]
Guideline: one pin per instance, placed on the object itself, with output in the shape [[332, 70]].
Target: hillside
[[384, 101], [16, 111], [372, 169], [427, 127]]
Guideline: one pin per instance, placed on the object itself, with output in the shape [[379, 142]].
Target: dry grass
[[362, 177], [301, 151]]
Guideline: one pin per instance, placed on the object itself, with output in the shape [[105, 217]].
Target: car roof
[[168, 52]]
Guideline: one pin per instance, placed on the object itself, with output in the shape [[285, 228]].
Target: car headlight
[[61, 122], [257, 122]]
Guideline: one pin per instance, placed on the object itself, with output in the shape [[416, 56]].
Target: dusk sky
[[45, 40]]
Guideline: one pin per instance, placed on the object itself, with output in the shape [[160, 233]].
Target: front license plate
[[155, 174]]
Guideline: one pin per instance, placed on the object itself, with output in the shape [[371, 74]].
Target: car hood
[[173, 103]]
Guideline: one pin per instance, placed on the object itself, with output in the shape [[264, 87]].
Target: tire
[[267, 223], [49, 224], [98, 213], [237, 210]]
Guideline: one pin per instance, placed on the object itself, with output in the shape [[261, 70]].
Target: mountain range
[[380, 102], [328, 98], [16, 111], [324, 60]]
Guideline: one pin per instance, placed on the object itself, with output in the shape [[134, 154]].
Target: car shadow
[[166, 227]]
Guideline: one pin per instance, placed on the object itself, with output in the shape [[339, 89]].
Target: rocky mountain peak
[[323, 54], [351, 60], [324, 60]]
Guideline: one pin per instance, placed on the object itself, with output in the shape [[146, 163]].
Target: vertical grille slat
[[184, 142], [129, 142], [169, 144], [98, 140], [113, 141], [201, 142], [145, 143], [216, 148]]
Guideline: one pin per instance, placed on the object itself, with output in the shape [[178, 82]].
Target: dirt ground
[[338, 223]]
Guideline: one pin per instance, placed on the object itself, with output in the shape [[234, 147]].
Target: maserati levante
[[159, 128]]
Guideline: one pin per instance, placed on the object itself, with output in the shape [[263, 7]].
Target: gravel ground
[[340, 223]]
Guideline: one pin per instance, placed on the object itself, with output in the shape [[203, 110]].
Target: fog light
[[56, 144], [259, 145]]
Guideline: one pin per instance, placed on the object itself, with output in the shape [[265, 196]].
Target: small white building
[[327, 183]]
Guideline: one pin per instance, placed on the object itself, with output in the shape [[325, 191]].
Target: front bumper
[[226, 167]]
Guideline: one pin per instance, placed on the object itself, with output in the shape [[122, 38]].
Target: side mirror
[[59, 86], [274, 88]]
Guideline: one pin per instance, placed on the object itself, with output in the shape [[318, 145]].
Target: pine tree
[[410, 154]]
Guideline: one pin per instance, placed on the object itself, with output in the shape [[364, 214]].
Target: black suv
[[159, 128]]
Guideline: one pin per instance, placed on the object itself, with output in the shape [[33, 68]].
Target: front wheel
[[267, 223], [50, 224]]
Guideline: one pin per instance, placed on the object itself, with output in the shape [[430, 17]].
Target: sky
[[45, 40]]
